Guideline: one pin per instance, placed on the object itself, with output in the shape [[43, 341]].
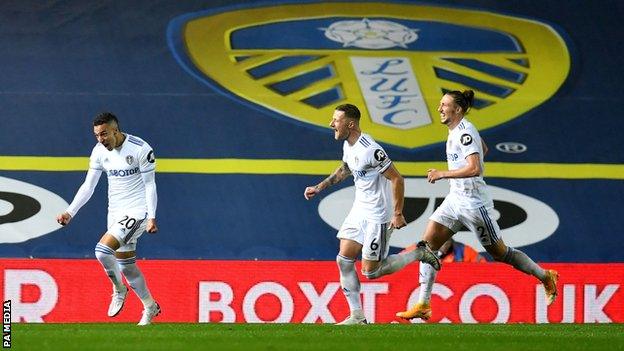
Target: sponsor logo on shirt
[[123, 172], [466, 139], [380, 155], [150, 157]]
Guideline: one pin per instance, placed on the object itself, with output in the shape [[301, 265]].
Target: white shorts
[[374, 237], [127, 229], [477, 220]]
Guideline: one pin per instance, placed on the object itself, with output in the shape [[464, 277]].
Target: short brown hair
[[350, 111]]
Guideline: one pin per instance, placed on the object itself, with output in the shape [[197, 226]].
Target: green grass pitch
[[425, 337]]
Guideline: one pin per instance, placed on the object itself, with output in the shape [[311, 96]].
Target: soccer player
[[376, 211], [130, 165], [468, 203]]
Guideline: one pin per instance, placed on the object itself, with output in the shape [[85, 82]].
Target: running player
[[467, 204], [130, 166], [376, 211]]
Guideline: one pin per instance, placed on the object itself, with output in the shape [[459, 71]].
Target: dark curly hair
[[464, 99]]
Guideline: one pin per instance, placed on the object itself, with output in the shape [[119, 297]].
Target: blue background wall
[[65, 61]]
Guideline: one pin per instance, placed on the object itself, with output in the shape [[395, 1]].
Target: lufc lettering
[[391, 91], [123, 172]]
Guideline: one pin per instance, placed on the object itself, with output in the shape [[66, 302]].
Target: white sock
[[397, 262], [136, 280], [349, 282], [106, 256], [520, 261], [426, 278]]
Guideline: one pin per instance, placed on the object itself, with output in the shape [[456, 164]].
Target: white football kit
[[369, 218], [468, 202], [132, 197]]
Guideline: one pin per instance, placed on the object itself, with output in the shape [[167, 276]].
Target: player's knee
[[127, 265], [102, 252], [344, 262], [498, 258], [502, 255]]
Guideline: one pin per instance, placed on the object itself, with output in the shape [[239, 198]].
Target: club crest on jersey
[[129, 159], [465, 139], [394, 61]]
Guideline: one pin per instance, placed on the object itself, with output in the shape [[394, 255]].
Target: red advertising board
[[69, 290]]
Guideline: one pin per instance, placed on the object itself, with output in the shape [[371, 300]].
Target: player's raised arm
[[83, 195], [341, 173], [471, 169]]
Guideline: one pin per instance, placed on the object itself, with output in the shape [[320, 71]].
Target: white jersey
[[123, 167], [464, 140], [373, 195]]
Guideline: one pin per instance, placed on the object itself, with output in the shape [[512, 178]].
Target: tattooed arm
[[340, 174]]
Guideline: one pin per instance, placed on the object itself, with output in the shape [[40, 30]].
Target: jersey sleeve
[[469, 142], [151, 197], [377, 158], [147, 165], [95, 162], [147, 159], [85, 191]]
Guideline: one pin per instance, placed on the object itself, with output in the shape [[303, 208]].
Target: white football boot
[[149, 314], [356, 317], [117, 302]]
